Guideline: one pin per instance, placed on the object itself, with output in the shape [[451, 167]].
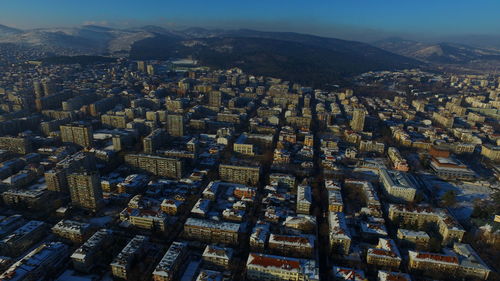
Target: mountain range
[[298, 57], [442, 53], [87, 39], [289, 55], [6, 30]]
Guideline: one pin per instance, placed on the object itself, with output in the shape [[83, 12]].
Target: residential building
[[218, 256], [358, 119], [386, 254], [470, 264], [131, 253], [398, 185], [212, 231], [22, 238], [448, 227], [10, 223], [304, 199], [444, 119], [491, 152], [77, 133], [335, 202], [433, 262], [371, 146], [239, 174], [340, 237], [175, 125], [90, 253], [413, 237], [38, 264], [85, 190], [74, 231], [172, 261], [156, 165], [21, 145], [270, 267], [292, 245], [392, 276], [154, 141], [397, 160], [347, 274]]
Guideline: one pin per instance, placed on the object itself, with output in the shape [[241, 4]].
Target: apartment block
[[172, 261], [386, 254], [211, 231], [37, 264], [398, 185], [156, 165], [448, 227], [78, 133], [131, 253], [74, 231], [85, 190], [271, 267], [239, 174], [89, 254]]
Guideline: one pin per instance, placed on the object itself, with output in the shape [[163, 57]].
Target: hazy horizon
[[361, 21]]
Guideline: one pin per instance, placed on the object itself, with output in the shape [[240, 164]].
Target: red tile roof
[[266, 261]]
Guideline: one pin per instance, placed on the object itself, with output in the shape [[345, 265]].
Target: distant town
[[172, 170]]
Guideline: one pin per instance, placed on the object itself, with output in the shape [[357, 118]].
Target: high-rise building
[[151, 69], [56, 180], [53, 101], [77, 133], [37, 89], [141, 66], [114, 121], [153, 141], [85, 190], [175, 125], [49, 87], [174, 105], [215, 98], [358, 119]]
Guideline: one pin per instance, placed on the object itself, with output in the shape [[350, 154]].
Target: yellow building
[[277, 268], [448, 227], [385, 254], [239, 174], [432, 261], [491, 152]]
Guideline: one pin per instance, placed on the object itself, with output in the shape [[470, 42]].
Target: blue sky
[[326, 17]]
